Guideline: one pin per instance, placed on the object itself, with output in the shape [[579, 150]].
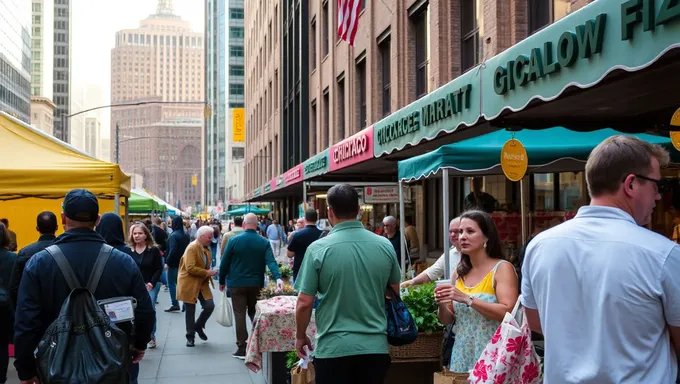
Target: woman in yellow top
[[485, 289]]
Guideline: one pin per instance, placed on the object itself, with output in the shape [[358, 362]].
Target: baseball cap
[[81, 205]]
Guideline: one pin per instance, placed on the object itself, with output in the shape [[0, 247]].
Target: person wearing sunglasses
[[602, 288]]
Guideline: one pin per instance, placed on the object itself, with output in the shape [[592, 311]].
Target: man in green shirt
[[349, 270], [242, 269]]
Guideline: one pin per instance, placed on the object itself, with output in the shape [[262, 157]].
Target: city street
[[172, 362]]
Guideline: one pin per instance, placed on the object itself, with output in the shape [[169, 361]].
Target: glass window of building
[[421, 39], [341, 108], [544, 12], [236, 14], [236, 70], [471, 17], [326, 119], [325, 31], [385, 67], [361, 95], [236, 32], [312, 45]]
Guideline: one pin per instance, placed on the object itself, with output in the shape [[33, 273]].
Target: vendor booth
[[552, 191], [144, 204], [38, 170]]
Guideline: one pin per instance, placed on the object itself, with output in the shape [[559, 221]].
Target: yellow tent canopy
[[34, 164], [37, 171]]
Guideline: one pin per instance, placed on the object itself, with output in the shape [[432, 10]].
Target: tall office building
[[161, 61], [224, 147], [62, 69], [92, 136], [42, 65], [15, 58], [264, 136]]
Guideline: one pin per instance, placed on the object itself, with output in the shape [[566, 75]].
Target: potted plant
[[423, 309], [285, 270]]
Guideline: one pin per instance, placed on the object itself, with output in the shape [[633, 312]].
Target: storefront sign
[[514, 160], [293, 175], [315, 165], [384, 195], [579, 51], [267, 187], [675, 135], [352, 150], [257, 192], [443, 110], [279, 181]]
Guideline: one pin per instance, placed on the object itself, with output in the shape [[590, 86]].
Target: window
[[385, 67], [312, 45], [324, 38], [236, 14], [326, 120], [236, 70], [470, 44], [420, 24], [37, 43], [37, 7], [235, 51], [312, 127], [235, 105], [341, 108], [236, 89], [238, 153], [37, 19], [361, 95], [236, 32], [558, 191], [544, 12]]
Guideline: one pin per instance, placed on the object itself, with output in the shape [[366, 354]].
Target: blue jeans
[[172, 285], [133, 372], [164, 275], [154, 295], [213, 250]]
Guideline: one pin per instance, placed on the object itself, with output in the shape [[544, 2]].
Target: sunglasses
[[662, 184]]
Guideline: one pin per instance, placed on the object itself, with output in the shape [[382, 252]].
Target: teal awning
[[549, 150], [247, 209]]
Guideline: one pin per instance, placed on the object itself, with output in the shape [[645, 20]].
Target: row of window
[[13, 76], [236, 32], [161, 40], [236, 13], [14, 101]]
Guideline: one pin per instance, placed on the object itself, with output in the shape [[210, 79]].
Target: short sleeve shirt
[[605, 290], [299, 243], [349, 270]]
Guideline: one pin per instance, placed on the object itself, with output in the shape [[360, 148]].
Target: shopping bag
[[448, 377], [510, 356], [303, 373], [223, 311]]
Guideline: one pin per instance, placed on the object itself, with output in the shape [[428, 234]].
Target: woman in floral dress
[[484, 289]]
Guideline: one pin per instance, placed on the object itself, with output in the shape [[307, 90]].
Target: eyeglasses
[[661, 184]]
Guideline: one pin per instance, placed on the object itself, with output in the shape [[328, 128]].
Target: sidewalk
[[172, 362]]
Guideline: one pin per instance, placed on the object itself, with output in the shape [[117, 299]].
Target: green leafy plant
[[285, 270], [291, 359], [423, 308]]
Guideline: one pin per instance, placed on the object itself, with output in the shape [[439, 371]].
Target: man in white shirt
[[436, 270], [603, 289]]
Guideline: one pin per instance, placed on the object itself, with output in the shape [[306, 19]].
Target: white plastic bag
[[223, 311]]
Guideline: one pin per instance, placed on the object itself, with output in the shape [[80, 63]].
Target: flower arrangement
[[270, 291], [285, 270]]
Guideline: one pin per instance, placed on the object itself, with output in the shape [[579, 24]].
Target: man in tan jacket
[[194, 281]]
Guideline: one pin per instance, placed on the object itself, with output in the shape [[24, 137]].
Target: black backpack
[[82, 345]]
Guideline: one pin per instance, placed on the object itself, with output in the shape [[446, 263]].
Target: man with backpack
[[46, 285]]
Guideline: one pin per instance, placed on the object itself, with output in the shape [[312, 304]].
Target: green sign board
[[443, 110], [257, 192], [580, 50], [315, 165]]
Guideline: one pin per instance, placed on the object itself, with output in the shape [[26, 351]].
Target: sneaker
[[240, 353], [152, 343], [173, 308], [190, 343], [201, 334]]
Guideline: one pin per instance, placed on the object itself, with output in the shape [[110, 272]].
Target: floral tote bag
[[509, 358]]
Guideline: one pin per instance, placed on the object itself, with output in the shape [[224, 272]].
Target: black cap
[[81, 205]]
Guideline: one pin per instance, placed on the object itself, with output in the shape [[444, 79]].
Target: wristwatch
[[469, 301]]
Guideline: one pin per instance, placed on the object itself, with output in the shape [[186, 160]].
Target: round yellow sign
[[675, 139], [514, 160]]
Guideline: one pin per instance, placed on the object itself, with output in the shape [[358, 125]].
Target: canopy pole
[[127, 214], [402, 235], [116, 203], [304, 193], [523, 211], [445, 218]]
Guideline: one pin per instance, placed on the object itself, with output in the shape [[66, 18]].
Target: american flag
[[348, 19]]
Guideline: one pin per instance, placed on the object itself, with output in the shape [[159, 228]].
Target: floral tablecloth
[[273, 329]]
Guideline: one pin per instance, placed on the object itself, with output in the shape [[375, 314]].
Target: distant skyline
[[94, 27]]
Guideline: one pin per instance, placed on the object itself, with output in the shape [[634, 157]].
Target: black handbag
[[447, 345], [401, 329], [82, 345]]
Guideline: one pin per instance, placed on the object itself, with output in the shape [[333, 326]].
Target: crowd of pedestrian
[[601, 288]]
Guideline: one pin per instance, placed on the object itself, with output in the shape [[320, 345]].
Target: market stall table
[[273, 331]]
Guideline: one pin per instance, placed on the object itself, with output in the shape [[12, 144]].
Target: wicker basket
[[426, 346], [448, 377]]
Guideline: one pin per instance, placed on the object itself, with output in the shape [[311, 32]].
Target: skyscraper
[[42, 65], [224, 148], [160, 64], [62, 69], [15, 58]]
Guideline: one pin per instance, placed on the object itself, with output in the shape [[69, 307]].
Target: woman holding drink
[[484, 288]]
